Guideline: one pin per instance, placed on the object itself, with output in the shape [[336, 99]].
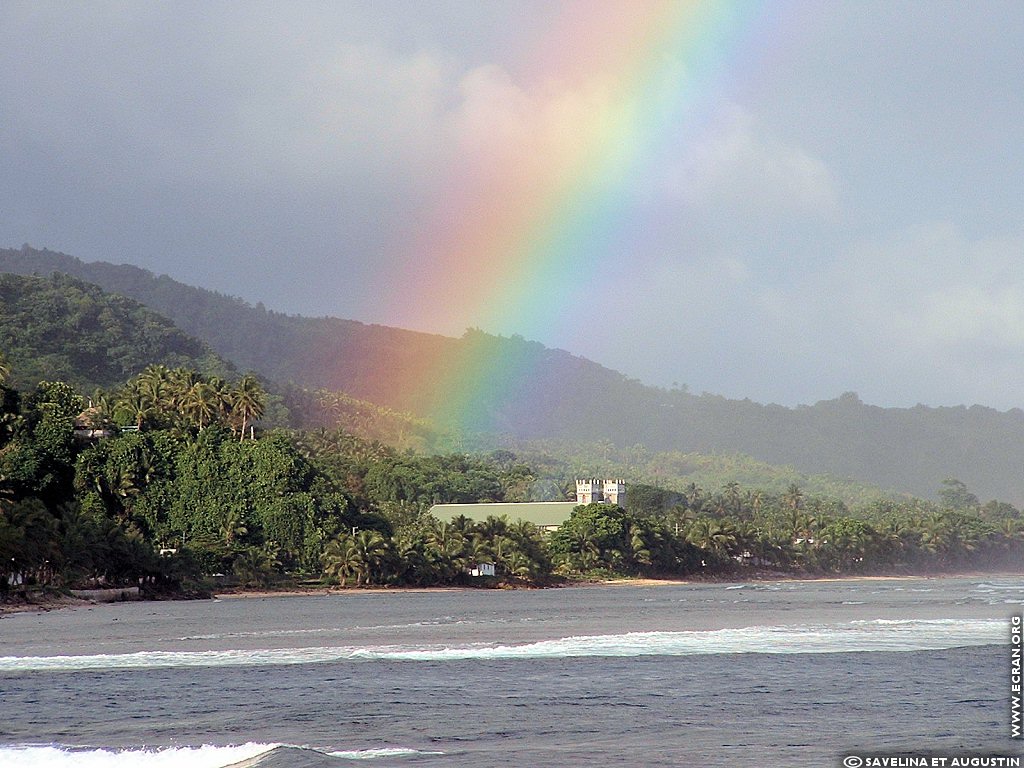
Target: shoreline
[[768, 577], [53, 601], [41, 603], [243, 594]]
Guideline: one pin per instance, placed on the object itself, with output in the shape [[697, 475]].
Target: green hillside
[[59, 328], [281, 347], [904, 449]]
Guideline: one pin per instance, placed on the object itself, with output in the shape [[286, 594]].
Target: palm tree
[[102, 403], [694, 497], [793, 498], [755, 500], [638, 545], [447, 538], [154, 384], [463, 524], [370, 549], [12, 545], [134, 407], [801, 526], [585, 551], [410, 550], [715, 536], [202, 403], [519, 565], [445, 547], [35, 532], [846, 544], [254, 567], [747, 537], [222, 397], [479, 550], [524, 530], [1012, 532], [80, 547], [896, 538], [248, 402], [680, 518], [501, 547], [733, 498], [232, 526], [180, 382], [341, 558], [494, 526]]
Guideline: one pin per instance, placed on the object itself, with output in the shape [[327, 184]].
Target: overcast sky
[[849, 215]]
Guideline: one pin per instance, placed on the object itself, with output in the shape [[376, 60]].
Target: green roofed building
[[546, 515]]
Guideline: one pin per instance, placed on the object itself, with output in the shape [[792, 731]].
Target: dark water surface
[[787, 674]]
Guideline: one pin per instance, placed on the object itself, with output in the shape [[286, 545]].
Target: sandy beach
[[623, 582], [40, 602], [52, 601]]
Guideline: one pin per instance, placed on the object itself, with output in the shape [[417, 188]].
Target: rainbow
[[617, 86]]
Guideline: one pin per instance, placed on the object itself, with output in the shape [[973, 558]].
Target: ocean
[[796, 673]]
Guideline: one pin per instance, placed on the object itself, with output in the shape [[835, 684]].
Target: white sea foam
[[998, 593], [373, 754], [206, 756], [444, 621], [854, 636], [998, 587]]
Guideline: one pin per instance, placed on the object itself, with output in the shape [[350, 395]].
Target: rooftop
[[544, 514]]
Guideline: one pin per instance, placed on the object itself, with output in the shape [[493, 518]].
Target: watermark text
[[1016, 654], [933, 761]]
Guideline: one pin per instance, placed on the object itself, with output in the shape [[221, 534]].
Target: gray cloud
[[848, 218]]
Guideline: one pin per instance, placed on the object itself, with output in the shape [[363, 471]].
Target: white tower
[[601, 491], [586, 491], [614, 492]]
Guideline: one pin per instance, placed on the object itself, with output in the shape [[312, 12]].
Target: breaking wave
[[855, 636], [250, 755]]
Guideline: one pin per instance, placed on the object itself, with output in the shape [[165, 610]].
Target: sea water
[[766, 674]]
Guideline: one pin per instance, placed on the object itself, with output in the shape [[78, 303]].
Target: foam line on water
[[373, 754], [205, 756], [854, 636]]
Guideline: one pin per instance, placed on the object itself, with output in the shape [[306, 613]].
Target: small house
[[91, 425]]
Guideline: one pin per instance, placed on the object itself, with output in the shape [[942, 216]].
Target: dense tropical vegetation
[[167, 480], [59, 328], [131, 454]]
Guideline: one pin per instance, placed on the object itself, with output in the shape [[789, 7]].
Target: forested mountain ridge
[[907, 449], [61, 328], [318, 353]]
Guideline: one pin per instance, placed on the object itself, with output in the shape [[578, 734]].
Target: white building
[[592, 491]]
